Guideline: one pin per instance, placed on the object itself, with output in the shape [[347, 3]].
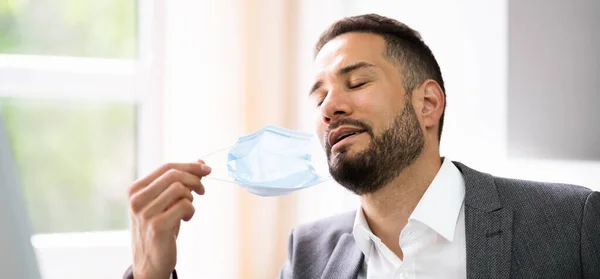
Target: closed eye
[[320, 103], [356, 86]]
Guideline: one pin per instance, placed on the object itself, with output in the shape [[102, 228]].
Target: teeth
[[346, 135]]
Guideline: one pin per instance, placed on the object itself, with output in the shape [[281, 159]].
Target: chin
[[351, 150], [346, 153]]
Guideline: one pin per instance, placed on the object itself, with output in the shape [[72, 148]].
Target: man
[[380, 101]]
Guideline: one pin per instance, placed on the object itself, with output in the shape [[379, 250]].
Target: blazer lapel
[[488, 227], [345, 261]]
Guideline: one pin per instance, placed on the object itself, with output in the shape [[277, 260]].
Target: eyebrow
[[343, 71]]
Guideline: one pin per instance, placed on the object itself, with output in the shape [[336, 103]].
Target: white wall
[[554, 70], [554, 79]]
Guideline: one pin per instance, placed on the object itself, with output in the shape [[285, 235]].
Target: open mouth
[[346, 136], [340, 137]]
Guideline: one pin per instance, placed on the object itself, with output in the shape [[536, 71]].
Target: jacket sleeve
[[286, 270], [590, 237], [129, 274]]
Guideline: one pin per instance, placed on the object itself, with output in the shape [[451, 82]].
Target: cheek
[[366, 103], [380, 108], [377, 99], [374, 106], [319, 126]]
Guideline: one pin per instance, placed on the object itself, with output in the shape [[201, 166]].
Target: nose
[[335, 105]]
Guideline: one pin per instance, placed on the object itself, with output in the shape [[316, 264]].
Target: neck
[[387, 210]]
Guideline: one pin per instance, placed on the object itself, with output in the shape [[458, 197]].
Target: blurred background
[[98, 93]]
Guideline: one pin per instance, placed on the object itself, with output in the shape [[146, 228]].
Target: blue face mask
[[272, 162]]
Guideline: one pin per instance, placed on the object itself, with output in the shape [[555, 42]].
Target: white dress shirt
[[433, 240]]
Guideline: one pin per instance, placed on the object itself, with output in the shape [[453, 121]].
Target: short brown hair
[[404, 47]]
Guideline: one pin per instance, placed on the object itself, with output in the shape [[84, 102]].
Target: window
[[75, 144], [74, 159], [104, 28], [80, 91]]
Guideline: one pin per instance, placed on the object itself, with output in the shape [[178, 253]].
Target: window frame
[[100, 79]]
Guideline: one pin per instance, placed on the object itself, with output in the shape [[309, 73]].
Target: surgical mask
[[272, 161]]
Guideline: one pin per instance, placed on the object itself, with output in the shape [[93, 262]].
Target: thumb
[[177, 229]]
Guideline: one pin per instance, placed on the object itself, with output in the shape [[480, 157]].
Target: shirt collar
[[363, 234], [438, 209], [441, 203]]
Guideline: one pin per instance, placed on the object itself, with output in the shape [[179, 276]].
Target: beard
[[383, 160]]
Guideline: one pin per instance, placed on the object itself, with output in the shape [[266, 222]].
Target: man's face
[[364, 118]]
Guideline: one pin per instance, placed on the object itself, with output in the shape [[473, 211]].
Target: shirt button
[[399, 274]]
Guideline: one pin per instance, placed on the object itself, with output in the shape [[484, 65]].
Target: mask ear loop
[[221, 180], [211, 154], [215, 152]]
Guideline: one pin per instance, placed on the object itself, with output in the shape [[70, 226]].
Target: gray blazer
[[514, 229]]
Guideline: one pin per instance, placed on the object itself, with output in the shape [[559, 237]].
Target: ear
[[433, 104]]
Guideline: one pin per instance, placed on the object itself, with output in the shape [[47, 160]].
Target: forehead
[[348, 49]]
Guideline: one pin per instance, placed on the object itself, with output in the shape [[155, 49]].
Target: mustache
[[350, 122]]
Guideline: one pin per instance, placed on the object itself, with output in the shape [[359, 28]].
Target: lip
[[336, 134], [344, 141]]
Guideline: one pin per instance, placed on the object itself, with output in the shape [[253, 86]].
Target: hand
[[157, 204]]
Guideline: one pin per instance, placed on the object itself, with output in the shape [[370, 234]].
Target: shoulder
[[330, 227], [543, 205], [525, 193], [532, 202], [311, 245], [321, 237]]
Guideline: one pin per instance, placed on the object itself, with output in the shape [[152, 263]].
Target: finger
[[167, 199], [146, 195], [182, 210], [189, 180], [193, 168], [201, 190]]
